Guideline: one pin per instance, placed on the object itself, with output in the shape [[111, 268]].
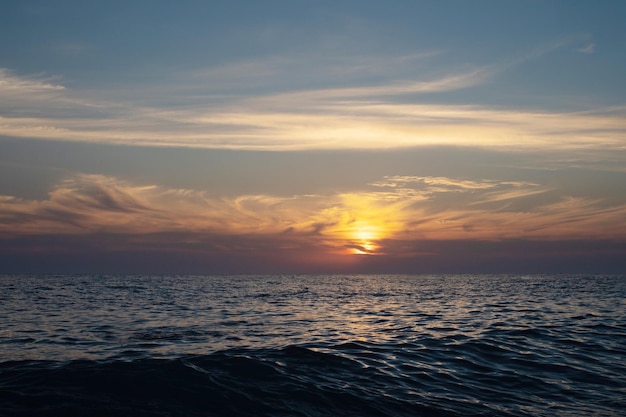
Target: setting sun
[[364, 242], [364, 220]]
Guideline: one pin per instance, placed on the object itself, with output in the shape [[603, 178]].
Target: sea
[[313, 345]]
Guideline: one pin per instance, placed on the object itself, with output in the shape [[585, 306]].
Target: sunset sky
[[312, 136]]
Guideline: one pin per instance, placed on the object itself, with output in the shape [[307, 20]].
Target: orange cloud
[[397, 208]]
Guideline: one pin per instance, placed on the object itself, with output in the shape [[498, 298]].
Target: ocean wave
[[313, 346], [294, 381], [347, 379]]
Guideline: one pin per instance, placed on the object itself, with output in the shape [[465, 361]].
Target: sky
[[305, 136]]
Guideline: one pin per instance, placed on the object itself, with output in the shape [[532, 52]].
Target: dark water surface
[[313, 345]]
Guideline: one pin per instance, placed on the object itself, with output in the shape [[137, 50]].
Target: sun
[[363, 240], [362, 223]]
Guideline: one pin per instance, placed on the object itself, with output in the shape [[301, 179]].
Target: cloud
[[91, 203], [310, 120], [346, 107], [13, 84], [69, 47], [448, 83], [94, 221], [415, 208], [590, 48], [288, 71], [443, 183]]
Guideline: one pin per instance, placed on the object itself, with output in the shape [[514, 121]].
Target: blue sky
[[351, 135]]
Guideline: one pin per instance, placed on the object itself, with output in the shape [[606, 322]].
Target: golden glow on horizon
[[364, 242], [367, 218], [387, 220]]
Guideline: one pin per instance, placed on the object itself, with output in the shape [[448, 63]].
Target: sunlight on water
[[491, 345]]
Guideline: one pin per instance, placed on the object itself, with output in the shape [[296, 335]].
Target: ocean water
[[399, 345]]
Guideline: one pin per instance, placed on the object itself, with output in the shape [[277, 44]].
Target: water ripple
[[313, 345]]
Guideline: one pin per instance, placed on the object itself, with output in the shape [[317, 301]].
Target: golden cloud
[[364, 222]]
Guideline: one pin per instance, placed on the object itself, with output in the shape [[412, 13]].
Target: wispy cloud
[[414, 208], [69, 47], [441, 84], [13, 84], [590, 48], [337, 125], [387, 113], [289, 71], [444, 183]]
